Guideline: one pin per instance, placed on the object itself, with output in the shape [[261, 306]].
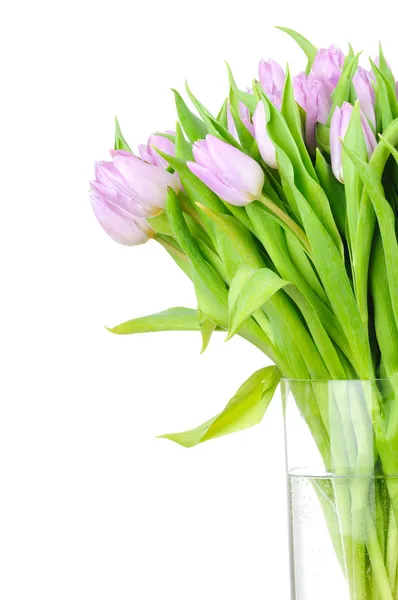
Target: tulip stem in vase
[[282, 211]]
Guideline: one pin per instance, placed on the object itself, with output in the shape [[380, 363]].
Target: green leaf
[[183, 149], [290, 111], [308, 48], [386, 329], [386, 219], [222, 115], [173, 319], [323, 343], [249, 100], [120, 142], [212, 125], [210, 288], [386, 97], [249, 290], [192, 125], [333, 189], [244, 410], [292, 268], [206, 327], [235, 244], [385, 69], [331, 269]]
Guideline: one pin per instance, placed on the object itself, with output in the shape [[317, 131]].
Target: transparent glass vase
[[342, 465]]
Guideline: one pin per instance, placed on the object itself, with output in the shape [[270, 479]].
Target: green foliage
[[244, 410]]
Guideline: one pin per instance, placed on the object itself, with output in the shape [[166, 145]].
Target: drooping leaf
[[244, 410], [173, 319]]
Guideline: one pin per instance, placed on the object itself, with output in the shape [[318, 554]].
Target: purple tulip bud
[[362, 81], [149, 154], [228, 172], [338, 128], [272, 78], [313, 94], [265, 146], [125, 192]]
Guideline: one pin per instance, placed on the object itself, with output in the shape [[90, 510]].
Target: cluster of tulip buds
[[231, 153]]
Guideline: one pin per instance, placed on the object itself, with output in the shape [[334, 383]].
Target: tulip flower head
[[272, 79], [313, 92], [363, 81], [149, 154], [338, 129], [125, 192], [228, 172]]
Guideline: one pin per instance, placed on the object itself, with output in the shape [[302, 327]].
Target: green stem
[[392, 550], [380, 576]]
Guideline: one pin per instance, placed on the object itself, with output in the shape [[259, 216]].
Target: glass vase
[[342, 465]]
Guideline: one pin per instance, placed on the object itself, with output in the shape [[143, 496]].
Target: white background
[[92, 506]]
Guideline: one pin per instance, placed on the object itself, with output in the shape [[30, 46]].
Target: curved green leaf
[[307, 47], [244, 410], [173, 319]]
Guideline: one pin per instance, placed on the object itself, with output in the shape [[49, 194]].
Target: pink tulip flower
[[125, 192], [149, 154], [228, 172], [362, 81]]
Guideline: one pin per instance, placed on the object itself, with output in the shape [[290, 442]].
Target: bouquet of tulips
[[281, 209]]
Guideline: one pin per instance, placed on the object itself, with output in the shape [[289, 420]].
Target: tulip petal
[[335, 144], [265, 145], [119, 227]]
